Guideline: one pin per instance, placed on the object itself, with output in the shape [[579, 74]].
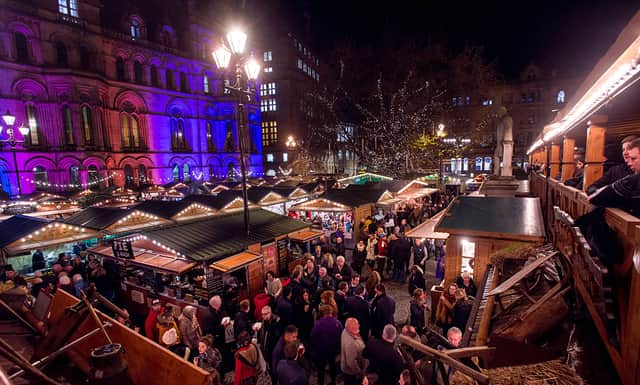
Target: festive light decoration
[[72, 185], [54, 226]]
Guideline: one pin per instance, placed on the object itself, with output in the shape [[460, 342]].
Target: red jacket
[[150, 328], [383, 247], [243, 371]]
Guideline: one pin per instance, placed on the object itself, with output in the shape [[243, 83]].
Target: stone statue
[[504, 144]]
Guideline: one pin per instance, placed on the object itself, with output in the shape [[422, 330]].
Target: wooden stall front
[[147, 362], [247, 267], [479, 226]]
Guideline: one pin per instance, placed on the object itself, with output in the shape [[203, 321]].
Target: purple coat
[[325, 338]]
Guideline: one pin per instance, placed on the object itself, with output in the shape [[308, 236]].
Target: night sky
[[568, 36]]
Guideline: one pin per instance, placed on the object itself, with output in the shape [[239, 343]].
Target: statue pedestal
[[503, 186]]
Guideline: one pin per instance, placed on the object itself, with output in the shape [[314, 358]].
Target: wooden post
[[555, 161], [568, 164], [595, 151]]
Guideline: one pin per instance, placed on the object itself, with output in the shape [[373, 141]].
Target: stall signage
[[283, 253], [214, 283], [269, 257], [122, 249]]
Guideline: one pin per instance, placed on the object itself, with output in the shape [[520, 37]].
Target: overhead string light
[[72, 185]]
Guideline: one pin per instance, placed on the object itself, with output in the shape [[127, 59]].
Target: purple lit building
[[118, 93]]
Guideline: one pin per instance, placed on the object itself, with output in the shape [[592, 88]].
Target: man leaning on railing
[[616, 172], [623, 193]]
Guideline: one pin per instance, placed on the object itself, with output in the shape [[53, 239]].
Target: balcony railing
[[620, 320]]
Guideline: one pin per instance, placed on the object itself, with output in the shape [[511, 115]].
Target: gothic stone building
[[115, 93]]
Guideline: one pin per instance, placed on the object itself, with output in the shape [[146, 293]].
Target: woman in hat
[[172, 342], [189, 327]]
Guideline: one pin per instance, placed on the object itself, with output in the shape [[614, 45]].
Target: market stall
[[241, 274], [176, 211]]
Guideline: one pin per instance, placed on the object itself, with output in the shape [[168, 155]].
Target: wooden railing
[[625, 355]]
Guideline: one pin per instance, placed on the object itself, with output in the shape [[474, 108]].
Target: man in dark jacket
[[289, 370], [383, 308], [339, 247], [290, 335], [341, 271], [384, 358], [616, 172], [340, 296], [284, 307], [357, 307], [400, 253], [325, 343], [242, 322], [268, 336], [211, 320]]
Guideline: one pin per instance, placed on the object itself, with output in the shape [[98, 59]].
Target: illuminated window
[[300, 65], [67, 123], [268, 69], [68, 7], [205, 84], [285, 157], [479, 162], [269, 133], [74, 175], [33, 137], [268, 56], [186, 171], [176, 124], [87, 124], [560, 97], [135, 28], [267, 89], [487, 163], [130, 131], [268, 104], [270, 158], [40, 177], [468, 253]]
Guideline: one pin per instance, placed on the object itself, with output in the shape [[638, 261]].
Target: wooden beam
[[471, 351], [445, 358], [555, 160], [594, 156], [568, 164], [521, 274]]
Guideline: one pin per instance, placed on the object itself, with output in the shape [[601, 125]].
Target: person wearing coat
[[290, 372], [359, 256], [357, 307], [189, 328], [417, 308], [325, 343], [352, 363], [384, 358], [242, 322], [383, 308], [342, 271], [248, 361], [268, 335]]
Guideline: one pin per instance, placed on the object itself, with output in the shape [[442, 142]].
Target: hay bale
[[543, 373]]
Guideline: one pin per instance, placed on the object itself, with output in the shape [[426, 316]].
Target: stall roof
[[151, 259], [364, 178], [258, 194], [218, 202], [305, 235], [494, 217], [224, 235], [97, 218], [427, 229], [235, 261], [19, 226], [163, 209], [356, 195]]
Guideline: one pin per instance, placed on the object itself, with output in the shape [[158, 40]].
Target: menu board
[[122, 249], [269, 257], [215, 285], [283, 254], [200, 293]]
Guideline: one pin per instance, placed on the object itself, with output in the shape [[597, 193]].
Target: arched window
[[212, 173], [120, 72], [175, 173], [154, 76], [130, 131], [67, 124], [128, 176], [186, 172], [205, 84], [560, 97], [135, 28], [184, 83], [169, 80], [231, 171], [33, 137], [137, 72], [74, 176], [92, 177], [61, 52], [229, 143], [41, 178], [177, 133], [142, 175], [85, 59], [211, 144], [87, 124], [22, 50]]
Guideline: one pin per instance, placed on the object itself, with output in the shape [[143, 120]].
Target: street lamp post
[[9, 120], [243, 91]]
